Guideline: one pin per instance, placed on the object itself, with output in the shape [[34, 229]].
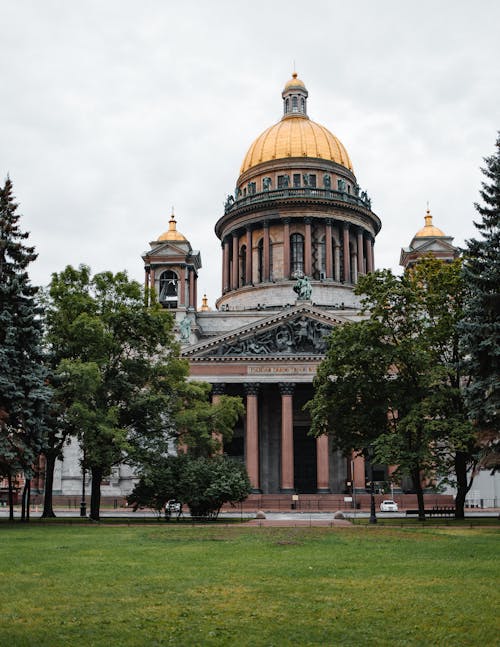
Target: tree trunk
[[11, 498], [462, 485], [25, 501], [50, 463], [95, 493], [417, 486]]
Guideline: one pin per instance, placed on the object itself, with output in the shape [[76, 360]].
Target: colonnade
[[354, 247]]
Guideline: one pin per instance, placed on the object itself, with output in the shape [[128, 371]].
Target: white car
[[388, 506]]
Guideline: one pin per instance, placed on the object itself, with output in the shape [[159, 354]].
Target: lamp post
[[370, 455], [83, 503]]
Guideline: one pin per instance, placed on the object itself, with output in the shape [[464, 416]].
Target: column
[[358, 472], [248, 268], [347, 255], [329, 249], [252, 435], [192, 301], [372, 255], [308, 248], [266, 261], [361, 265], [225, 266], [236, 262], [322, 464], [217, 391], [354, 268], [369, 254], [287, 477], [336, 258], [181, 294], [152, 281], [286, 248], [147, 298]]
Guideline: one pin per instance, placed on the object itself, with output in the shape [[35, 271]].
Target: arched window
[[168, 289], [296, 253], [243, 265], [295, 106]]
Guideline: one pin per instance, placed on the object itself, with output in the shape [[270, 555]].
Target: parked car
[[172, 506], [388, 506]]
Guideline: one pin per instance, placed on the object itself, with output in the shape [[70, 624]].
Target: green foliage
[[394, 381], [203, 483], [481, 325], [116, 367], [23, 393]]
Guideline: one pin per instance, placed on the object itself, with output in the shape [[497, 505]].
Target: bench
[[447, 511]]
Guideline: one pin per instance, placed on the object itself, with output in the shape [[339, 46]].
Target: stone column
[[336, 257], [322, 464], [181, 294], [286, 248], [225, 266], [372, 255], [152, 280], [252, 435], [248, 266], [369, 259], [266, 260], [236, 262], [217, 391], [354, 268], [307, 248], [287, 476], [347, 255], [358, 472], [361, 265], [146, 285], [328, 249], [192, 301]]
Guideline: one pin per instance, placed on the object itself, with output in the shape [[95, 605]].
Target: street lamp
[[370, 454]]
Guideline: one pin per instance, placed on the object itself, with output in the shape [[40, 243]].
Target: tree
[[481, 325], [23, 393], [393, 381], [203, 483], [117, 369]]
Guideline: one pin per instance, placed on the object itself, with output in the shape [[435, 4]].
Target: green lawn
[[216, 585]]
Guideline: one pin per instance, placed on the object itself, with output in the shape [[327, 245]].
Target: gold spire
[[172, 233], [429, 231], [204, 304]]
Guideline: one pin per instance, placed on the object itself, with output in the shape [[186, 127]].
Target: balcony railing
[[278, 194]]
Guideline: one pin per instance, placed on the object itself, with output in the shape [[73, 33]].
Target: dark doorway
[[304, 461]]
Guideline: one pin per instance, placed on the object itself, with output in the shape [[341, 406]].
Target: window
[[295, 107], [312, 181], [283, 181], [296, 180], [297, 253], [168, 289], [251, 188]]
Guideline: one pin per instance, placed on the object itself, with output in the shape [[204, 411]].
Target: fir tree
[[22, 376], [481, 327]]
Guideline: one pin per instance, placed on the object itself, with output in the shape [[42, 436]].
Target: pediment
[[168, 249], [295, 332], [434, 245]]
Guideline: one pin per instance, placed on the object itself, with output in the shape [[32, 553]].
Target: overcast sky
[[113, 111]]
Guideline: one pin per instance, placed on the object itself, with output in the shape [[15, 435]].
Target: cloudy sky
[[113, 111]]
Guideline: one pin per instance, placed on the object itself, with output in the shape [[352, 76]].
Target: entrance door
[[304, 461]]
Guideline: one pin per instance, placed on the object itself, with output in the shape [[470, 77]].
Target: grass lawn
[[216, 585]]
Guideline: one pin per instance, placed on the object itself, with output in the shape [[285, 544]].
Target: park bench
[[436, 511]]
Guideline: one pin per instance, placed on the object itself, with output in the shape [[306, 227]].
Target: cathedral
[[295, 235]]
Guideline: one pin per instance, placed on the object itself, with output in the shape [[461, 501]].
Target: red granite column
[[192, 301], [286, 248], [308, 248], [248, 267], [181, 298], [225, 266], [152, 281], [252, 435], [146, 286], [266, 261], [347, 255], [234, 274], [361, 265], [287, 476], [358, 475], [372, 255], [217, 391], [336, 257], [369, 257], [329, 249], [322, 464]]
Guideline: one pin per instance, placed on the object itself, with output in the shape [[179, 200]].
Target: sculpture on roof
[[303, 288]]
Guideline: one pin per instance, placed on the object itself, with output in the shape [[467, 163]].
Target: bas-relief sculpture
[[301, 336]]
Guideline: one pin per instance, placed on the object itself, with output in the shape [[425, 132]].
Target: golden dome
[[172, 233], [429, 231], [294, 82], [295, 136]]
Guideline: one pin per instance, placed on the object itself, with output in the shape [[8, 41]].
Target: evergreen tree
[[481, 326], [23, 393]]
